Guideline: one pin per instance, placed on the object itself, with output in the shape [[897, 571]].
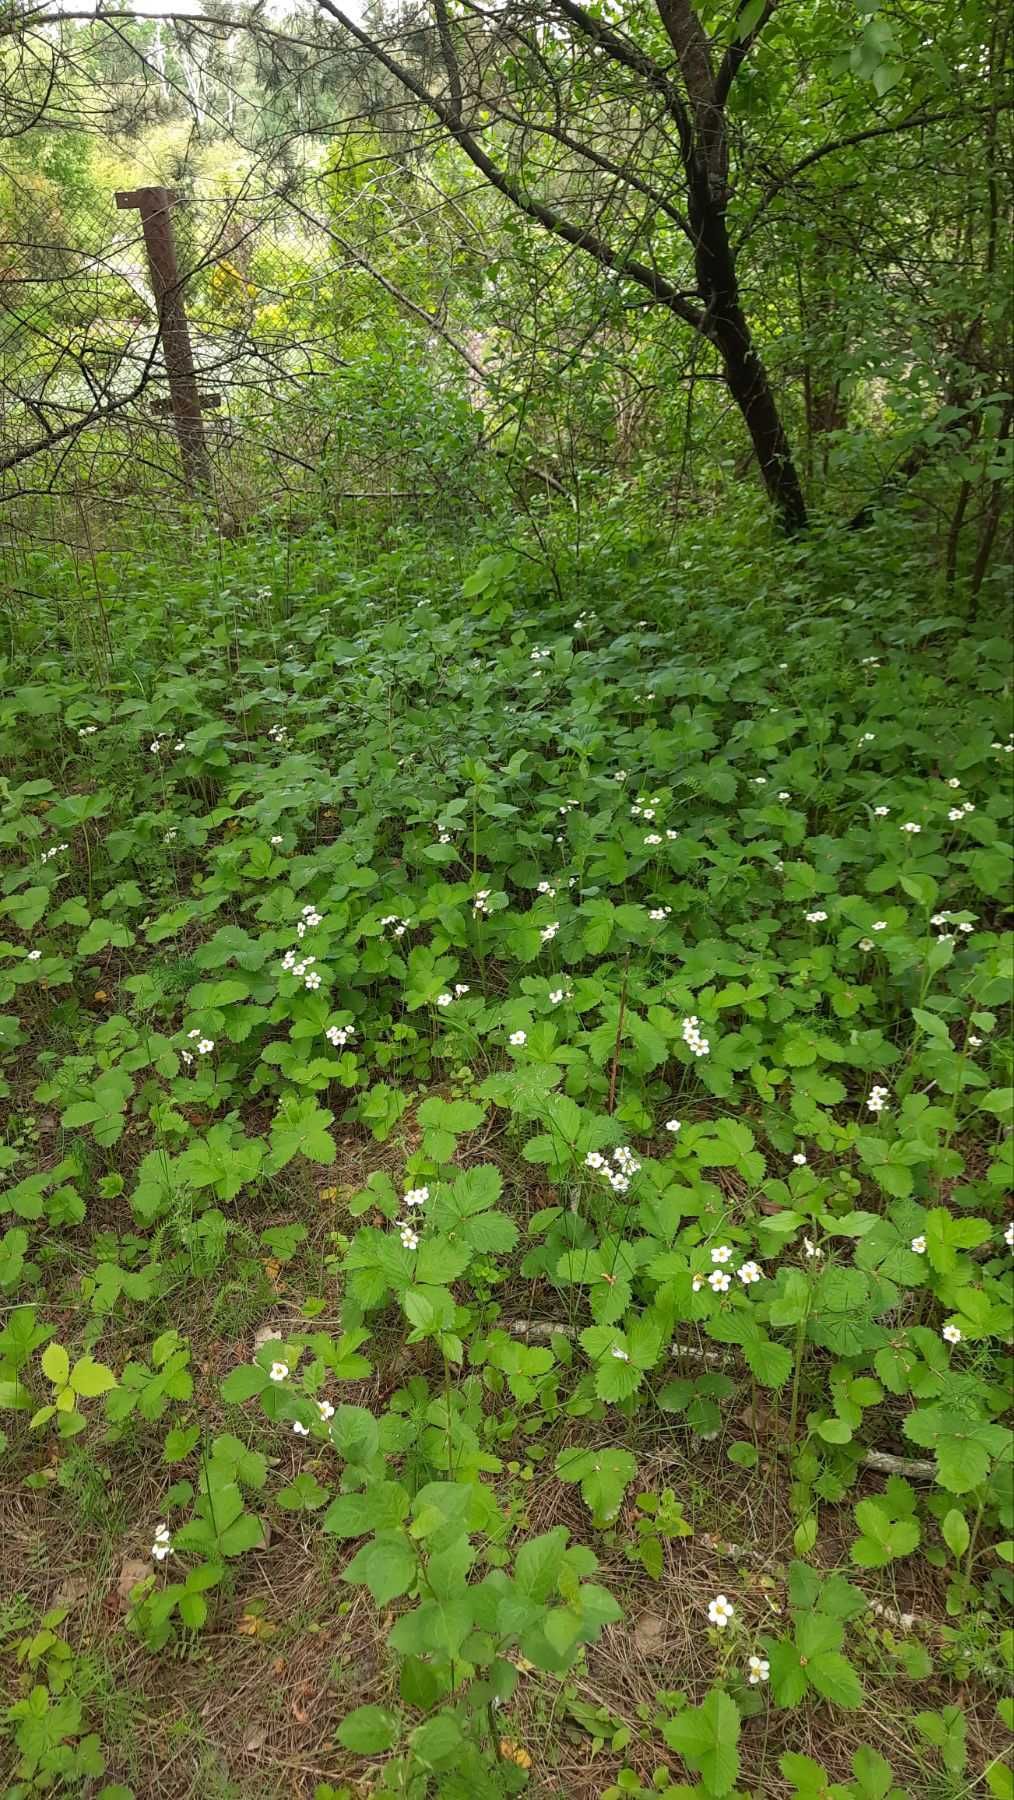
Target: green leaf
[[706, 1737], [55, 1364], [300, 1129], [834, 1677], [386, 1565], [242, 1382], [369, 1730], [955, 1532], [89, 1378], [538, 1563], [383, 1504], [304, 1494]]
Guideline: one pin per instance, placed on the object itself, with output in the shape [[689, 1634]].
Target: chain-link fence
[[160, 350]]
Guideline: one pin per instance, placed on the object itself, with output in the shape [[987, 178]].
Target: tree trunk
[[745, 374], [750, 388]]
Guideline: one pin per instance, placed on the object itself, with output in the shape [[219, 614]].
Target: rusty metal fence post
[[154, 205]]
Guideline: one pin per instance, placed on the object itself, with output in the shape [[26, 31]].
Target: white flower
[[278, 1371], [953, 782], [625, 1160], [417, 1196], [161, 1548], [445, 999], [974, 1042], [617, 1181], [811, 1248], [205, 1046], [548, 932], [275, 841], [155, 747], [1008, 1236], [460, 987], [672, 836], [186, 1057], [409, 1238], [300, 1430], [760, 781], [783, 794], [620, 775], [34, 955], [544, 888], [720, 1611], [722, 1253], [325, 1409], [877, 1100], [816, 918], [648, 812], [169, 837], [919, 1246], [964, 926], [750, 1272], [867, 737], [311, 917], [955, 813], [620, 1355], [87, 731], [880, 924], [692, 1036], [697, 1283], [911, 827], [312, 980], [595, 1160], [653, 838], [719, 1282], [799, 1158], [443, 837], [881, 812], [866, 943], [479, 900], [758, 1669], [951, 1334], [193, 1034], [673, 1125], [517, 1038], [968, 807], [869, 662], [339, 1035]]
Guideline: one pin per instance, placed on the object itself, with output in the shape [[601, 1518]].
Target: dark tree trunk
[[745, 374]]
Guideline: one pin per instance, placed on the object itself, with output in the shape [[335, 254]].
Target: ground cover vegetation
[[506, 1236], [507, 1252]]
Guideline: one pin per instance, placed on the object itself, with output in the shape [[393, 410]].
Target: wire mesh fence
[[90, 383]]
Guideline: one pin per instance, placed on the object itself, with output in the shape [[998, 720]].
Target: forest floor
[[424, 977]]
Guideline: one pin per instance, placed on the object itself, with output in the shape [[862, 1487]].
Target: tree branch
[[631, 57], [737, 52], [629, 268]]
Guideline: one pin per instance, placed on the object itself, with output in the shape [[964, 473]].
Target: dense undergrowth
[[507, 1263]]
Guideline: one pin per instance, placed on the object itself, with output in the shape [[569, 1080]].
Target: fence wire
[[86, 415]]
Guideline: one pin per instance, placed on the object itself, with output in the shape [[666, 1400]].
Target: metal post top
[[152, 198]]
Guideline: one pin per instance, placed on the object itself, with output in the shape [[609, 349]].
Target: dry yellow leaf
[[253, 1626], [512, 1752]]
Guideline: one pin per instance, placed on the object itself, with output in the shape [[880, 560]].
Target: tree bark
[[745, 373]]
